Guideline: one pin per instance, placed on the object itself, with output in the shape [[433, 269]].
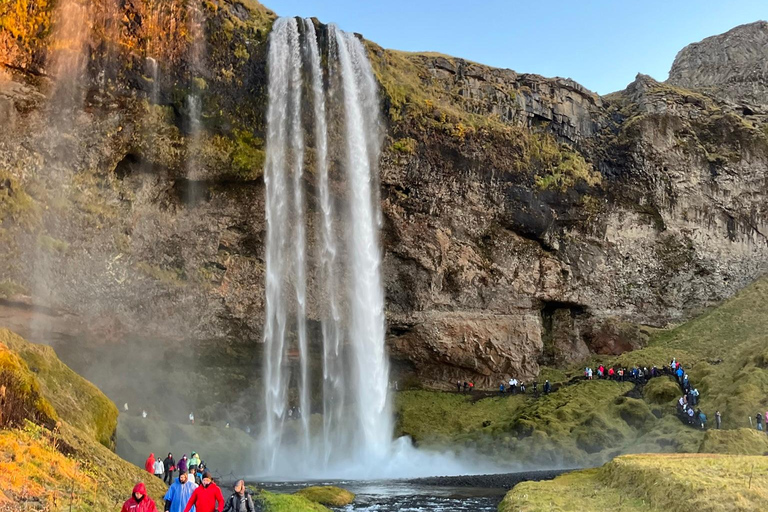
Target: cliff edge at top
[[733, 64]]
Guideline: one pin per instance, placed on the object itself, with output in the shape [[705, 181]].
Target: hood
[[140, 488]]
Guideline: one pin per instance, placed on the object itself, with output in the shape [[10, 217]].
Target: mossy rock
[[742, 441], [661, 391], [289, 503], [327, 495], [20, 396], [74, 399]]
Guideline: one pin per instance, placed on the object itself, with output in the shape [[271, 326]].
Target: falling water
[[333, 377], [69, 53], [194, 102], [369, 366], [356, 423]]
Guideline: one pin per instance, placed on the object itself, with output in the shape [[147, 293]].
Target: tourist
[[701, 417], [240, 501], [159, 468], [183, 466], [522, 387], [149, 464], [547, 387], [207, 497], [194, 461], [169, 464], [471, 386], [718, 419], [466, 385], [611, 372], [458, 386], [191, 418], [536, 388], [179, 493], [139, 501], [759, 419], [601, 372], [690, 415], [501, 388]]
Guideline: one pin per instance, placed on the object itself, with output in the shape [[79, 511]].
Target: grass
[[289, 503], [327, 495], [670, 483], [569, 492]]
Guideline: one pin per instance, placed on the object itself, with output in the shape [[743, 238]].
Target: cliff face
[[733, 65], [526, 220]]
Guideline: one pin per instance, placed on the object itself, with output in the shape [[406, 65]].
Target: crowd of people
[[192, 490], [687, 405]]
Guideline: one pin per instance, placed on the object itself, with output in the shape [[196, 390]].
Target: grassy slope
[[670, 483], [725, 350], [78, 402], [40, 465]]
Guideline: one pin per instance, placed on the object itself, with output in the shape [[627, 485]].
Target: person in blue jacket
[[179, 493]]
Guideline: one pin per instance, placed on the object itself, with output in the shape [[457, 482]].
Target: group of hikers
[[187, 496], [687, 409], [514, 387], [164, 468], [192, 491]]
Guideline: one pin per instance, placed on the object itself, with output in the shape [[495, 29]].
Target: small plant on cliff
[[407, 145], [558, 166]]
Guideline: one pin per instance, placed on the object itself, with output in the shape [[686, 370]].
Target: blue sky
[[602, 44]]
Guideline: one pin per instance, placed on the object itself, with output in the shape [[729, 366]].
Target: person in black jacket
[[240, 501], [169, 464]]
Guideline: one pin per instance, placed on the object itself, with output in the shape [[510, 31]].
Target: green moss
[[15, 203], [10, 288], [662, 390], [327, 495], [75, 400], [557, 166], [50, 244], [247, 155], [170, 276], [742, 441], [289, 503], [406, 145], [21, 398]]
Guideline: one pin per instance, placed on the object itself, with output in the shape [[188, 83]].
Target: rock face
[[526, 220], [734, 65]]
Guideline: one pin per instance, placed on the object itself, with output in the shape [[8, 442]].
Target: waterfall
[[194, 102], [69, 53], [356, 426]]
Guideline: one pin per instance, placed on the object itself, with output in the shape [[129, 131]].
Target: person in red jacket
[[139, 501], [150, 464], [207, 497]]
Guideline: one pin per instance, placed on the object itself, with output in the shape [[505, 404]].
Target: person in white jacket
[[159, 468]]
